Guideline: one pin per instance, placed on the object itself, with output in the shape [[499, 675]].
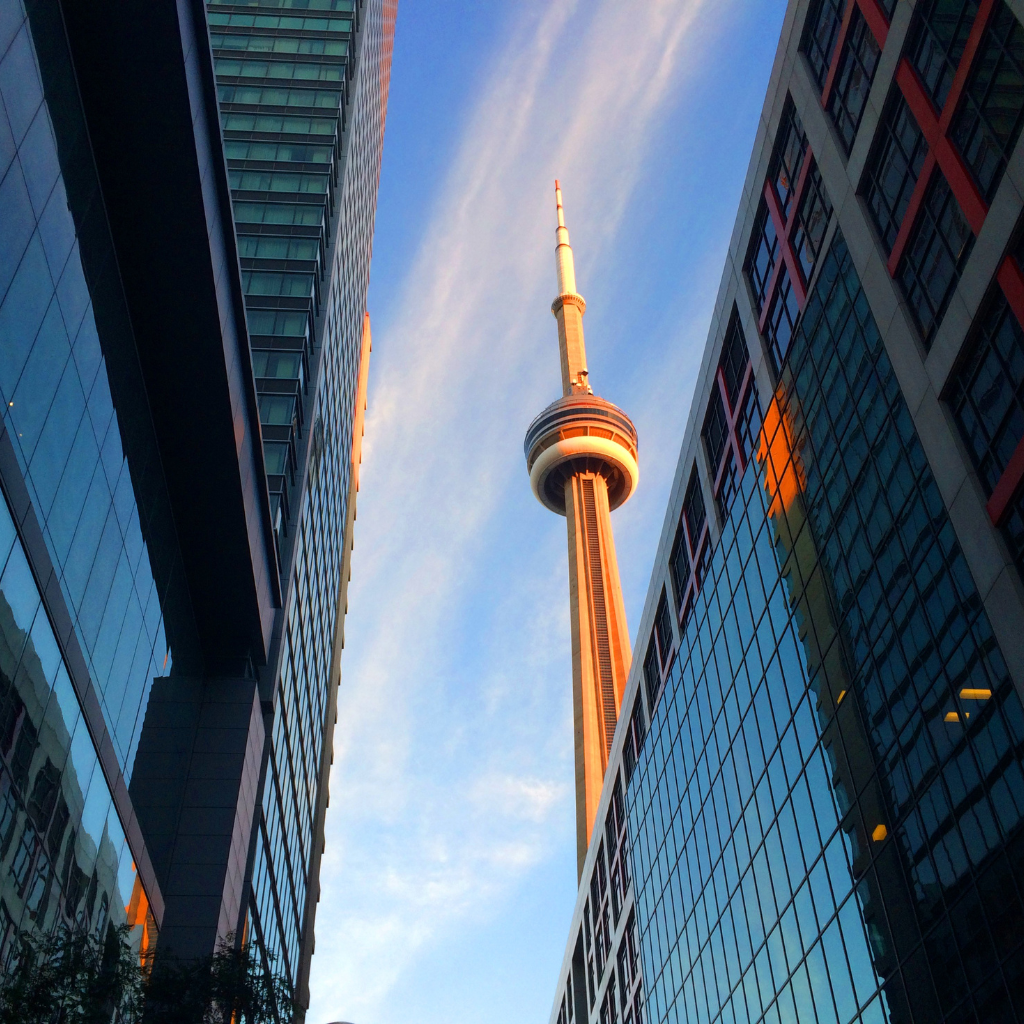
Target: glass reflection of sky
[[811, 842]]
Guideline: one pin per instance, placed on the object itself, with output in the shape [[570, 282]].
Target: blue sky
[[449, 876]]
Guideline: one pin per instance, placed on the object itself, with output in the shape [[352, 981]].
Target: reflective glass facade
[[827, 824], [80, 609], [821, 748], [303, 92], [57, 404], [63, 854]]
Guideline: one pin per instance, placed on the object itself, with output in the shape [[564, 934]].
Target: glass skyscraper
[[183, 355], [302, 88], [815, 805]]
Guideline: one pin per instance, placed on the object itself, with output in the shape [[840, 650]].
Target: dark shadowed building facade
[[179, 455], [815, 802]]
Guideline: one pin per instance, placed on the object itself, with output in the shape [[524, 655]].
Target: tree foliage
[[73, 978]]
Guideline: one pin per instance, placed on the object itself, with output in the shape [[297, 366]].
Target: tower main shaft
[[582, 456]]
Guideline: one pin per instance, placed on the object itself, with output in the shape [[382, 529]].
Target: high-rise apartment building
[[814, 809], [581, 453], [183, 361]]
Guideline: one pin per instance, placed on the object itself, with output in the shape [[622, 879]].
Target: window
[[599, 901], [693, 510], [716, 428], [277, 323], [279, 213], [590, 954], [988, 123], [618, 849], [663, 632], [610, 1006], [286, 365], [937, 41], [630, 981], [44, 794], [278, 44], [748, 424], [728, 485], [781, 320], [679, 565], [238, 122], [276, 96], [935, 256], [853, 80], [893, 169], [691, 544], [310, 5], [235, 149], [275, 458], [259, 282], [308, 71], [788, 158], [987, 392], [735, 358], [660, 650], [634, 739], [652, 674], [763, 254], [277, 181], [271, 247], [284, 21], [277, 410], [821, 36], [812, 223]]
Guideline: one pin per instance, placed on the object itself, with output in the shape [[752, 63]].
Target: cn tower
[[581, 453]]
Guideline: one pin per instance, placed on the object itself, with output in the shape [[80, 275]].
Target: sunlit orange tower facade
[[581, 453]]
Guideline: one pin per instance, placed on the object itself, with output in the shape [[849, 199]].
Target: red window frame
[[630, 975], [618, 849], [878, 25], [935, 125], [785, 229], [1011, 280], [732, 419]]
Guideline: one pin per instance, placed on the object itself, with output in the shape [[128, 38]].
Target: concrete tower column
[[581, 453]]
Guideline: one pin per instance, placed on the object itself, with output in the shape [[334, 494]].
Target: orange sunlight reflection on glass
[[139, 914], [784, 476]]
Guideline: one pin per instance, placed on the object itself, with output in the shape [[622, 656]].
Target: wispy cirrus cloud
[[453, 769]]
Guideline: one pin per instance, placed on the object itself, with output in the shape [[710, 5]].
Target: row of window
[[286, 124], [278, 213], [274, 247], [310, 71], [288, 152], [975, 112], [731, 424], [263, 282], [789, 230], [279, 44], [271, 21], [277, 181], [295, 5], [278, 97]]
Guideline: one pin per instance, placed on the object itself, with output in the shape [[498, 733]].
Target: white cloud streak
[[453, 748]]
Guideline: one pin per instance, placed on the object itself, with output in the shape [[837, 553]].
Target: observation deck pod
[[577, 434]]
